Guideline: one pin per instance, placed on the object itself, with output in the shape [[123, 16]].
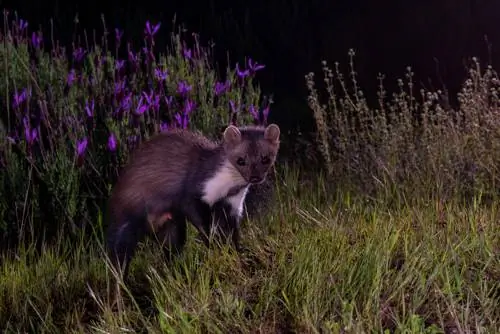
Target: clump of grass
[[312, 265], [412, 142]]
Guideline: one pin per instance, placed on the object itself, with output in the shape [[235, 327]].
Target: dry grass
[[412, 142]]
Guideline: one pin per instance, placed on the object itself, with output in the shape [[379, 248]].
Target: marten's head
[[252, 150]]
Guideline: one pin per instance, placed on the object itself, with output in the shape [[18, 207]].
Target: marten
[[182, 175]]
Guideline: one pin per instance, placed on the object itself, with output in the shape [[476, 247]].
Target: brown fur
[[155, 163]]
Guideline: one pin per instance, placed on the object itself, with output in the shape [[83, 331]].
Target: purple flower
[[133, 60], [126, 102], [155, 103], [187, 53], [112, 142], [169, 100], [89, 108], [119, 87], [254, 112], [188, 107], [183, 88], [20, 98], [22, 25], [148, 97], [81, 147], [240, 73], [161, 75], [150, 30], [78, 54], [36, 40], [30, 134], [234, 107], [163, 127], [119, 65], [265, 113], [118, 36], [221, 87], [132, 57], [152, 100], [141, 107], [183, 120], [71, 77], [254, 67]]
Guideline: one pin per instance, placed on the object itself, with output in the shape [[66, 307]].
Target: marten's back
[[157, 170]]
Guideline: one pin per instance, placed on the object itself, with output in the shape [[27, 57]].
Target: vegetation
[[398, 233]]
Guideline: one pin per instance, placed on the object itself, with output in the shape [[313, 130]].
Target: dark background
[[437, 38]]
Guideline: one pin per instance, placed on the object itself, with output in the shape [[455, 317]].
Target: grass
[[398, 233], [340, 265]]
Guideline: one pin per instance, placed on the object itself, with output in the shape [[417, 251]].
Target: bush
[[71, 117], [410, 143]]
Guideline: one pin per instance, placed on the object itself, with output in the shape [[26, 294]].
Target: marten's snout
[[255, 179]]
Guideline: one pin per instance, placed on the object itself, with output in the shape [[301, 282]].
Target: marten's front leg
[[226, 223]]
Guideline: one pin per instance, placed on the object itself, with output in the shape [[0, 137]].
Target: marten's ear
[[272, 133], [232, 135]]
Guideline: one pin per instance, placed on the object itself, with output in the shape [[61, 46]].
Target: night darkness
[[436, 38]]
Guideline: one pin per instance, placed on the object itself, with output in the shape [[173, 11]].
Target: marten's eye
[[240, 162], [265, 160]]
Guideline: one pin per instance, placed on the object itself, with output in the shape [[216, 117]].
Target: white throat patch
[[219, 185], [236, 202]]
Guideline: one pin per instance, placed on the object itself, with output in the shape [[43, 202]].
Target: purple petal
[[189, 106], [119, 64], [156, 28], [234, 108], [265, 112], [118, 35], [240, 73], [89, 108], [254, 112], [178, 118], [112, 142], [71, 77], [81, 146]]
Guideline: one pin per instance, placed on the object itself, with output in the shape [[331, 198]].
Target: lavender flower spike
[[81, 147], [150, 30], [112, 142]]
